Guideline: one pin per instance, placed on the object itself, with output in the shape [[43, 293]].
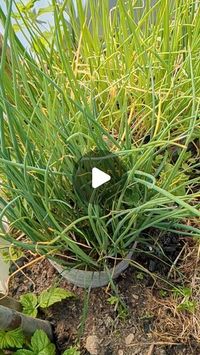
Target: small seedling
[[185, 294], [119, 306], [187, 305], [72, 351], [140, 276], [162, 293], [114, 300], [182, 291]]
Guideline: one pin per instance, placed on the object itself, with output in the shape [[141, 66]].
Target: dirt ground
[[152, 323]]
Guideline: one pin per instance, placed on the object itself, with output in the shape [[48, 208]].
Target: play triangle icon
[[99, 177]]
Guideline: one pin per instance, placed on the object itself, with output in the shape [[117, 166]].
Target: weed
[[163, 293], [140, 275], [183, 295], [119, 306], [72, 351]]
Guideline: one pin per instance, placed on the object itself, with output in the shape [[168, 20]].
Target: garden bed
[[153, 323]]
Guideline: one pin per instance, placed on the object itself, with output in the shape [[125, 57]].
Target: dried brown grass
[[170, 323]]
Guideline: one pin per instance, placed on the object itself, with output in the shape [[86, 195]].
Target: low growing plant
[[38, 345], [72, 351], [119, 306], [184, 299], [11, 339], [30, 302]]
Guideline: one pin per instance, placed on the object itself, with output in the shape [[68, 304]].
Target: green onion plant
[[125, 79]]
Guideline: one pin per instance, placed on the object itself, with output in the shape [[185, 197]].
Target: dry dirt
[[153, 324]]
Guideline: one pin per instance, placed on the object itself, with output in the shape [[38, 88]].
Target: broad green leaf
[[53, 295], [11, 339], [48, 350], [41, 344], [24, 352], [29, 302], [72, 351]]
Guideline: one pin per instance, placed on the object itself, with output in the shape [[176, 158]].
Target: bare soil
[[152, 323]]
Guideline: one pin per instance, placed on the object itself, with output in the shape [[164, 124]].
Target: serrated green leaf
[[53, 295], [41, 344], [72, 351], [24, 352], [49, 350], [29, 303], [11, 339]]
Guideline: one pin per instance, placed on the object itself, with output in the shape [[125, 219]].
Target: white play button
[[99, 177]]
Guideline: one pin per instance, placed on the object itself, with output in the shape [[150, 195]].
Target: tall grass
[[126, 80]]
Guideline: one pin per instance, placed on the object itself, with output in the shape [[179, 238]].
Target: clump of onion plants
[[124, 80]]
